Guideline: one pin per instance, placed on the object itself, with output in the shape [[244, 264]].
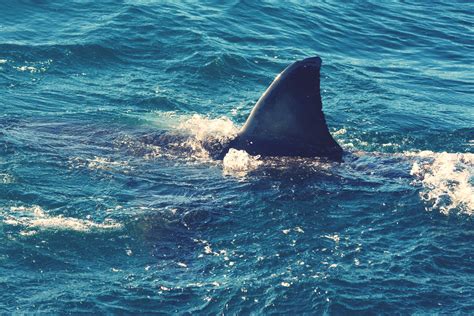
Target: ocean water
[[109, 203]]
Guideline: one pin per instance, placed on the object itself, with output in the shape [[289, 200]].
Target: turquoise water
[[110, 204]]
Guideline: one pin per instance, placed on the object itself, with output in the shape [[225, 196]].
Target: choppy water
[[96, 216]]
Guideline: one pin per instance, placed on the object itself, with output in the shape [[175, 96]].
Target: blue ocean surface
[[109, 203]]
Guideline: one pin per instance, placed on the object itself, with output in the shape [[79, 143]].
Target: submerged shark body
[[288, 119]]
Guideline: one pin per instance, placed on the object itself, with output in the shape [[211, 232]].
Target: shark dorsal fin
[[288, 119]]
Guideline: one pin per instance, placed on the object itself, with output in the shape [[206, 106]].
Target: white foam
[[34, 218], [27, 68], [203, 128], [341, 131], [101, 163], [33, 67], [446, 179], [239, 162], [6, 178], [334, 237], [104, 163], [200, 131]]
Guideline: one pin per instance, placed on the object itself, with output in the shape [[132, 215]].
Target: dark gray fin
[[288, 119]]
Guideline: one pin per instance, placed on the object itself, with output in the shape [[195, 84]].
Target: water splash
[[447, 181], [191, 137], [203, 128], [239, 162]]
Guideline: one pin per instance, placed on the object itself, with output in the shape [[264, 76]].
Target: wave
[[446, 179], [190, 137], [32, 219], [59, 55]]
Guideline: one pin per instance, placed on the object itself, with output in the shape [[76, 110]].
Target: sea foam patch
[[6, 178], [34, 67], [239, 162], [196, 136], [447, 181], [33, 219], [204, 128], [101, 163]]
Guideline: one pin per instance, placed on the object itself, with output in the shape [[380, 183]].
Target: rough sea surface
[[109, 203]]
